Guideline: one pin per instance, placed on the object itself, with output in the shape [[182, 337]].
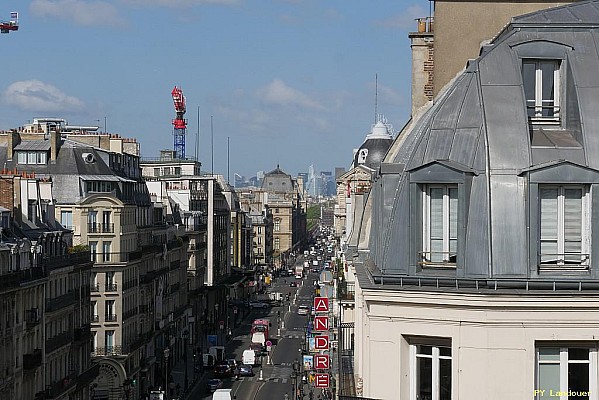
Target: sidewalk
[[193, 379]]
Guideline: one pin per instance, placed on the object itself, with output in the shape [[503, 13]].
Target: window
[[277, 226], [110, 310], [277, 243], [430, 372], [66, 219], [106, 251], [541, 80], [109, 341], [440, 205], [561, 370], [156, 171], [93, 249], [564, 225]]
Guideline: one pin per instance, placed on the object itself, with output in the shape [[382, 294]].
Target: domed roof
[[375, 146]]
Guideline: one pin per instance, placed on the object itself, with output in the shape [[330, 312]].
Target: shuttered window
[[564, 225], [440, 224]]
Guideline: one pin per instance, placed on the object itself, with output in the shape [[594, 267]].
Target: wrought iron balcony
[[61, 302], [64, 260], [88, 376], [95, 227], [118, 257], [346, 291], [110, 287], [32, 360], [61, 386], [107, 351], [110, 318], [58, 341]]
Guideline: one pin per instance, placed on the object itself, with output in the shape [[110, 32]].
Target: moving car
[[258, 304], [223, 394], [302, 310], [222, 369], [246, 370], [213, 385]]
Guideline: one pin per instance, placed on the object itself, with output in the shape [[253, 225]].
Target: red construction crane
[[179, 123], [12, 25]]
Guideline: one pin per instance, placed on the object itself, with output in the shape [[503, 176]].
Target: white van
[[248, 357], [223, 394]]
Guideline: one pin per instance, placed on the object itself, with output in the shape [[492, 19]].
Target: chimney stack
[[423, 57], [13, 140], [54, 145]]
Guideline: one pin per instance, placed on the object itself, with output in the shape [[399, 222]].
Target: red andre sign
[[321, 361], [321, 323], [321, 381], [321, 304], [321, 342]]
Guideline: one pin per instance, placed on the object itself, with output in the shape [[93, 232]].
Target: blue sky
[[288, 82]]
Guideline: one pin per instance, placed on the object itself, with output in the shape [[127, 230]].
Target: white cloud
[[278, 93], [37, 96], [86, 13], [405, 20]]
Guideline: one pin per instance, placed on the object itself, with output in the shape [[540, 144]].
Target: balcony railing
[[107, 351], [82, 334], [61, 386], [88, 376], [65, 260], [95, 227], [110, 317], [111, 258], [346, 290], [32, 360], [61, 302], [110, 287], [58, 341]]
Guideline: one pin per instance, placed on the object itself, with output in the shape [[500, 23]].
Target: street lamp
[[185, 335], [166, 353]]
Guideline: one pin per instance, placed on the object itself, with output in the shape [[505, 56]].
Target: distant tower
[[179, 123], [311, 187]]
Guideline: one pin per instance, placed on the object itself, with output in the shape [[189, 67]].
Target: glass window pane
[[548, 354], [445, 351], [549, 380], [549, 224], [444, 379], [578, 380], [528, 78], [428, 350], [547, 69], [578, 354], [573, 224], [424, 384]]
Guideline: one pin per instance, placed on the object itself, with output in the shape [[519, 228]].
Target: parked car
[[258, 304], [293, 284], [214, 384], [246, 370], [302, 310]]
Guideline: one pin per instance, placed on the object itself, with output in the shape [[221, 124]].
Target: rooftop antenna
[[212, 146], [376, 96], [198, 137]]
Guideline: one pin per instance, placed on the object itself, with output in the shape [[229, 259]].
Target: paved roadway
[[276, 376]]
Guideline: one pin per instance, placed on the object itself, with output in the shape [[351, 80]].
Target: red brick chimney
[[423, 60]]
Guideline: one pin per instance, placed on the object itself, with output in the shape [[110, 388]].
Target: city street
[[274, 379]]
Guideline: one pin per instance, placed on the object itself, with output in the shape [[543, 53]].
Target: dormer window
[[541, 80], [32, 157], [440, 205]]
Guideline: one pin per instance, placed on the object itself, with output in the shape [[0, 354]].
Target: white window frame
[[427, 256], [66, 218], [561, 242], [564, 362], [436, 356], [538, 100]]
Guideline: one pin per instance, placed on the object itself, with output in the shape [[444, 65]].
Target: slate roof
[[480, 123]]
